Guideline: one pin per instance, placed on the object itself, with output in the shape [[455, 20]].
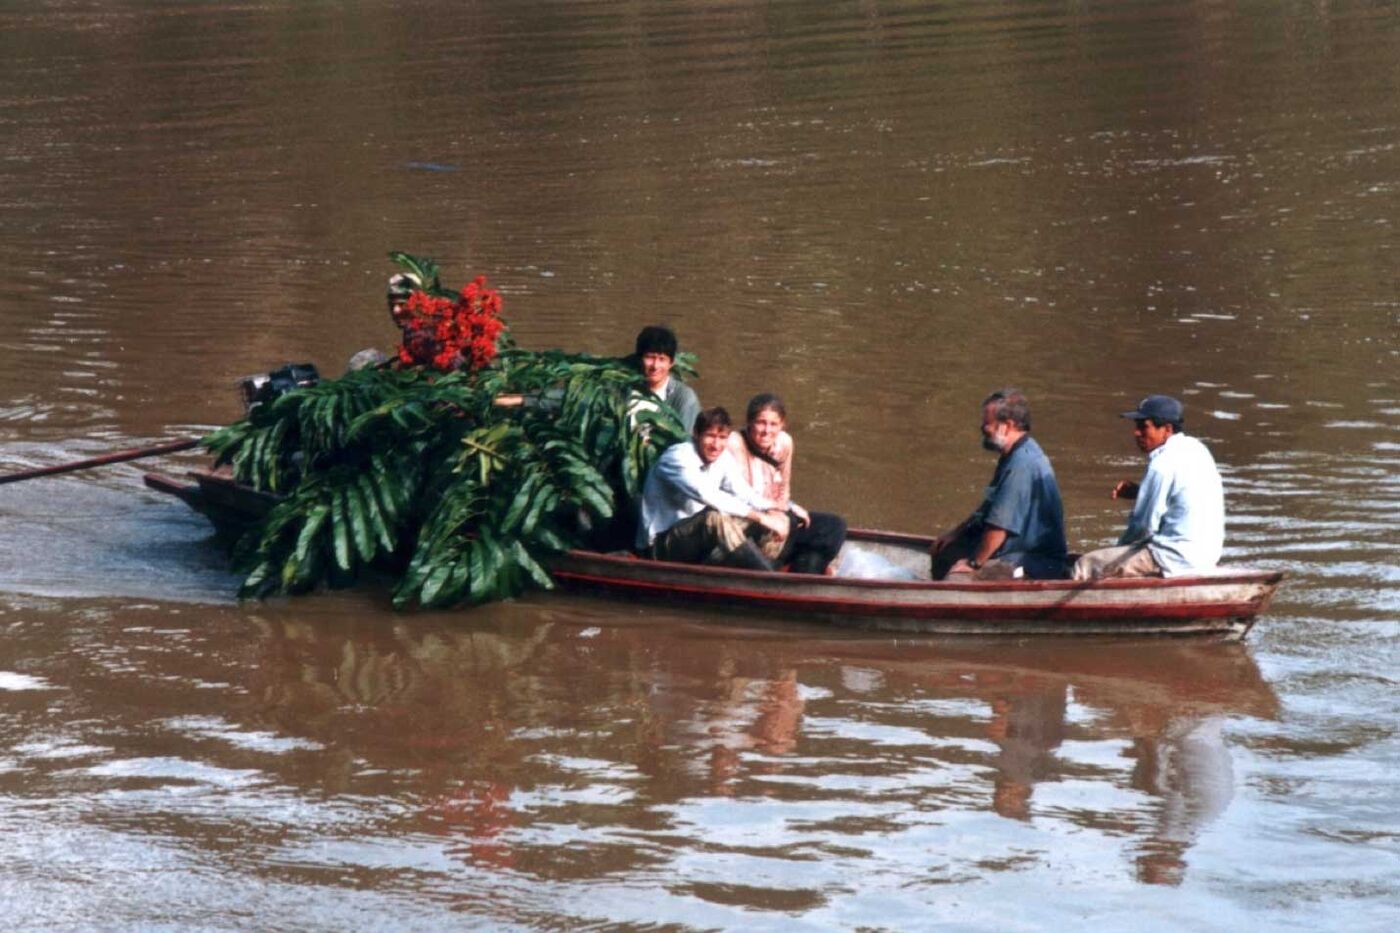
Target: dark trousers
[[964, 546], [960, 548], [814, 545]]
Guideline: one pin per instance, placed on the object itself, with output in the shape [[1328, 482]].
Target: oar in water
[[120, 456]]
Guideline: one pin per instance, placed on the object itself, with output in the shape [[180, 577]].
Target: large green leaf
[[358, 513], [340, 529]]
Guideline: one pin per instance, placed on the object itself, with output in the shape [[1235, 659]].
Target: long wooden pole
[[118, 457]]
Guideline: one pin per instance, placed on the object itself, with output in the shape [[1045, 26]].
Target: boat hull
[[1223, 604]]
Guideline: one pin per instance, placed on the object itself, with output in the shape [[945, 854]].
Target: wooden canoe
[[1223, 603]]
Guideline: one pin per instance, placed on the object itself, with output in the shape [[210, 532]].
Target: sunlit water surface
[[881, 211]]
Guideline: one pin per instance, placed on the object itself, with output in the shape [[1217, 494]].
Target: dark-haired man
[[1178, 521], [655, 355], [696, 506], [1019, 528]]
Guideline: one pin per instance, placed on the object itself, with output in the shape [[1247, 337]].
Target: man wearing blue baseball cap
[[1178, 522]]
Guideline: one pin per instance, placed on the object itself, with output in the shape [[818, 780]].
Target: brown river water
[[880, 210]]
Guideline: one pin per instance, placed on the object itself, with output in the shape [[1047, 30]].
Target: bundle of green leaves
[[423, 475]]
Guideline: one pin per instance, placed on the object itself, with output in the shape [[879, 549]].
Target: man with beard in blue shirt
[[1019, 528]]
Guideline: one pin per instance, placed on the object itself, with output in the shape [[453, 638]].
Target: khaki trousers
[[1132, 560], [693, 539]]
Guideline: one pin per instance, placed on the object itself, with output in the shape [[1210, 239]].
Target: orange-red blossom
[[447, 334]]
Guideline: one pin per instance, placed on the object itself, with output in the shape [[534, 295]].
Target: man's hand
[[803, 519], [1127, 489], [961, 566], [773, 521]]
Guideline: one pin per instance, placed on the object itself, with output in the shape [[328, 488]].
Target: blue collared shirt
[[1024, 501], [1180, 508]]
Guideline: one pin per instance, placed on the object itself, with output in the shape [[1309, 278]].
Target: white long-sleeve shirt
[[1180, 508], [681, 484]]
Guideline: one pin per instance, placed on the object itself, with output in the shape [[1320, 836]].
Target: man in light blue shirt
[[697, 507], [1177, 525]]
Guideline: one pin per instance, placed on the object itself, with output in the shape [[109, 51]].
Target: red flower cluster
[[447, 334]]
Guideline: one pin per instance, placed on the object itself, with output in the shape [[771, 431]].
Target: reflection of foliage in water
[[310, 675]]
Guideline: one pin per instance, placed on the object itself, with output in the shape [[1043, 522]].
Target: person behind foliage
[[655, 355]]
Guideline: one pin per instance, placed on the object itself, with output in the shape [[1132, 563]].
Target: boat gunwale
[[1226, 577]]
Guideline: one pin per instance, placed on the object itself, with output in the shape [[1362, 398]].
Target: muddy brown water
[[881, 211]]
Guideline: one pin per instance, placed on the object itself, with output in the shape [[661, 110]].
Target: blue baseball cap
[[1159, 407]]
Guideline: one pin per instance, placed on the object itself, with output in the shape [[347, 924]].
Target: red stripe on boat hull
[[1227, 617]]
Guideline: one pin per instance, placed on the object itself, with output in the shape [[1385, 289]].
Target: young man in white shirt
[[697, 507], [1178, 521]]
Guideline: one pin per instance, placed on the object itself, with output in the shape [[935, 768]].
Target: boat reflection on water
[[1188, 766], [528, 736], [1168, 702]]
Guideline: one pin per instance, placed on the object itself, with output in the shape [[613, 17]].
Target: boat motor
[[267, 387]]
